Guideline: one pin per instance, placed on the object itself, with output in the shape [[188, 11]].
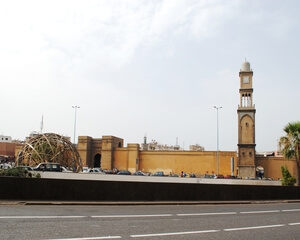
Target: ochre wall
[[172, 161], [7, 149], [272, 166], [193, 161]]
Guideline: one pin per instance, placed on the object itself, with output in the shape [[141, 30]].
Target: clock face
[[246, 79]]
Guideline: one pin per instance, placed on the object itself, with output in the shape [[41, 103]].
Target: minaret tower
[[246, 124]]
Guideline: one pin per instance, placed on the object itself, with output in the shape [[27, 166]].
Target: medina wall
[[132, 159]]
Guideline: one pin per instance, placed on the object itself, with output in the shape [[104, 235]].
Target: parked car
[[192, 175], [48, 167], [5, 166], [210, 176], [63, 169], [94, 170], [28, 168], [158, 174], [219, 176], [230, 177], [100, 169], [124, 172], [174, 175], [139, 173], [108, 171]]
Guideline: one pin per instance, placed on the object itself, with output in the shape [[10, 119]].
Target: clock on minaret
[[246, 79], [246, 124]]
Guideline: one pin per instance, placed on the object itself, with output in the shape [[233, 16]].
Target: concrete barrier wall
[[41, 189]]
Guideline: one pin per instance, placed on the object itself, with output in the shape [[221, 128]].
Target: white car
[[5, 166], [94, 170], [63, 169]]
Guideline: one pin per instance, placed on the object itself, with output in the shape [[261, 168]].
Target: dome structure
[[245, 66], [50, 148]]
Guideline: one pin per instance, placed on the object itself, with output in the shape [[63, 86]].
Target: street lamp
[[75, 107], [217, 108]]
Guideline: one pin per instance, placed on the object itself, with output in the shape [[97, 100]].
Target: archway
[[97, 160]]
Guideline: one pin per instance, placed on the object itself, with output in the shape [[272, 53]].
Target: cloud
[[144, 66], [100, 32]]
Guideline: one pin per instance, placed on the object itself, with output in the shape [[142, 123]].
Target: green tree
[[289, 145], [287, 178]]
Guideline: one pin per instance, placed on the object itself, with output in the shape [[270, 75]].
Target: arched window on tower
[[243, 100], [246, 100], [249, 100]]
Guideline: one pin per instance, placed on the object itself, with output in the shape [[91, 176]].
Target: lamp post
[[75, 107], [217, 108]]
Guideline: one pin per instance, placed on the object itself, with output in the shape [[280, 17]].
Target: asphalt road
[[235, 221]]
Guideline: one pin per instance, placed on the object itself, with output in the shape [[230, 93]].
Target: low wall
[[41, 189]]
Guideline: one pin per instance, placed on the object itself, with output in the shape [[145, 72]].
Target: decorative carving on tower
[[246, 124]]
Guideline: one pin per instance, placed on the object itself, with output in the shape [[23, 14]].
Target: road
[[211, 222]]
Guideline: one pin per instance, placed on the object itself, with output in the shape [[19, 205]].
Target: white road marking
[[269, 211], [179, 233], [149, 215], [38, 217], [205, 214], [291, 210], [87, 238], [255, 227], [293, 224], [173, 233], [132, 216]]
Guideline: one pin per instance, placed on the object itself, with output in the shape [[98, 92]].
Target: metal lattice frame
[[50, 148]]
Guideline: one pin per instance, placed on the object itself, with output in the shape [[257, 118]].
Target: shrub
[[287, 178], [15, 172]]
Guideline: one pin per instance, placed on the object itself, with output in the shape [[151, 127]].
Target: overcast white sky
[[152, 67]]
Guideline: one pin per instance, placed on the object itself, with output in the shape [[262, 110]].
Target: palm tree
[[289, 145]]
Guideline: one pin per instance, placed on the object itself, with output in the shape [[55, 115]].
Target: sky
[[153, 68]]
